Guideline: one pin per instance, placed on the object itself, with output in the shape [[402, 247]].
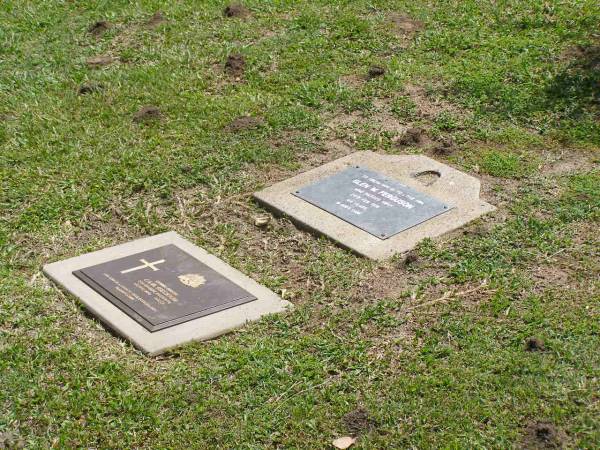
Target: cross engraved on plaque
[[145, 265]]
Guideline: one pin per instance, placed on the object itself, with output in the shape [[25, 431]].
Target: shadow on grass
[[574, 93], [579, 83]]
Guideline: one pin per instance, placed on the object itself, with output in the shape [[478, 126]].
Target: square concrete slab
[[378, 205], [162, 291]]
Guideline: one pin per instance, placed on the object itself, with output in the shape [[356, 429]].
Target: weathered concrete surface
[[203, 328], [459, 190]]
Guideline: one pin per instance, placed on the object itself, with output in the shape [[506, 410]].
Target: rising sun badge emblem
[[193, 280]]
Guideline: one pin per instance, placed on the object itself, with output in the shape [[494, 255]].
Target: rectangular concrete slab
[[457, 190], [260, 301]]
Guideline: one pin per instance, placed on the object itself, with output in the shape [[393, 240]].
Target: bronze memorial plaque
[[162, 287]]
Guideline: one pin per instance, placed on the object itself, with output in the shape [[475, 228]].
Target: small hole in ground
[[428, 177]]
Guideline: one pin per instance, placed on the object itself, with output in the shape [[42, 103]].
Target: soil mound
[[156, 20], [245, 123], [99, 28], [543, 435], [412, 137], [89, 88], [534, 344], [236, 10], [375, 71], [147, 114], [358, 421], [235, 65], [96, 62]]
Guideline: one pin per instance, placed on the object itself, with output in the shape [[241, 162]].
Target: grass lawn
[[488, 338]]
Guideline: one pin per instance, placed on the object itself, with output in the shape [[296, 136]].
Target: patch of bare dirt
[[336, 149], [352, 81], [95, 62], [566, 166], [347, 125], [583, 233], [382, 121], [97, 29], [384, 118], [417, 137], [279, 245], [235, 65], [500, 192], [156, 20], [543, 435], [147, 113], [127, 38], [285, 138], [429, 107], [236, 10], [550, 275], [568, 162], [326, 151], [386, 281], [344, 120], [403, 25], [358, 422], [245, 123]]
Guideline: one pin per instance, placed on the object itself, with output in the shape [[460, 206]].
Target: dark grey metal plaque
[[163, 287], [371, 201]]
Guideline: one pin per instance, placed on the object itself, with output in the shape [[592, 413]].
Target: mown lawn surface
[[488, 338]]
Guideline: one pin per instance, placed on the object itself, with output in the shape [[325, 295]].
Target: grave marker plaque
[[371, 201], [162, 291], [163, 287], [378, 205]]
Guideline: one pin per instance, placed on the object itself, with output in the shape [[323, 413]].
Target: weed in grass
[[404, 108]]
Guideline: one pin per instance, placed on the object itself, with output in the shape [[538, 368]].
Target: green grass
[[434, 351], [506, 164]]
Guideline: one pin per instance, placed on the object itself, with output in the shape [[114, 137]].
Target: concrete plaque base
[[149, 294], [451, 187]]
